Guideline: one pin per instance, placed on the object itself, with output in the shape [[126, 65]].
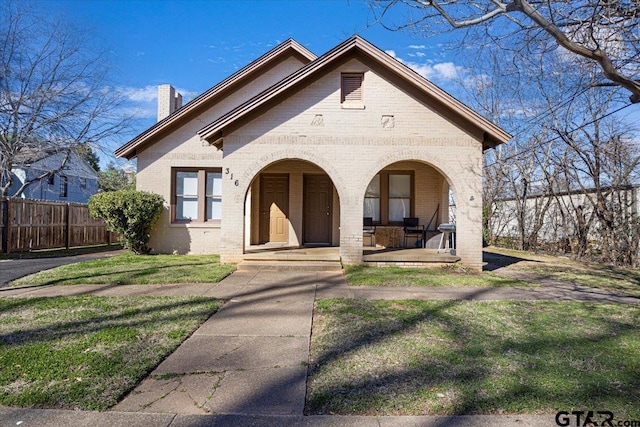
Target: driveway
[[11, 269]]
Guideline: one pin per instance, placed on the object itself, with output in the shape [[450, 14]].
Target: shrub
[[130, 213]]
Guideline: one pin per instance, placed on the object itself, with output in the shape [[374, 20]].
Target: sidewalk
[[248, 362], [59, 418]]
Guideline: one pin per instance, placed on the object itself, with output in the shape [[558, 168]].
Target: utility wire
[[548, 111], [557, 137]]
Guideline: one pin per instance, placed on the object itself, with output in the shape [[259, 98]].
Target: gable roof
[[206, 99], [29, 155], [493, 135], [51, 159]]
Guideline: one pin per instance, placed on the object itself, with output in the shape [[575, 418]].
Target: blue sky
[[195, 44]]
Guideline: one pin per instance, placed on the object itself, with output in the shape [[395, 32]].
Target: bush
[[130, 213]]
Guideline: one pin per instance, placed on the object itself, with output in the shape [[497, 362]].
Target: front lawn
[[602, 276], [86, 352], [610, 278], [473, 357], [130, 269], [358, 275]]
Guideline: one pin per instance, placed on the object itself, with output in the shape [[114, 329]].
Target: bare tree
[[602, 32], [600, 158], [54, 95], [516, 174], [568, 176]]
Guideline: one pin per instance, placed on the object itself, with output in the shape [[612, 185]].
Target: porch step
[[254, 265]]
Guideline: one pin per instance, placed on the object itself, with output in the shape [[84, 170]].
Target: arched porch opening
[[404, 192], [290, 204]]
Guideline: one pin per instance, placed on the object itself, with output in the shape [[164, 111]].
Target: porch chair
[[368, 229], [412, 228]]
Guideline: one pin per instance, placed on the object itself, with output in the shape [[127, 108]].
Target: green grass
[[428, 277], [86, 352], [462, 357], [614, 279], [130, 269], [602, 276]]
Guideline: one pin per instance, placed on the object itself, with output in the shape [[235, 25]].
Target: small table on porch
[[388, 236]]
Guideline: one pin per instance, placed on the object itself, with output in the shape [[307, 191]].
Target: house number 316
[[227, 172]]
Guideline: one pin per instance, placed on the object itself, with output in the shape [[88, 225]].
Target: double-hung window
[[214, 195], [186, 196], [197, 195], [399, 197], [389, 197]]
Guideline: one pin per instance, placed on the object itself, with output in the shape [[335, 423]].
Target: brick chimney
[[168, 101]]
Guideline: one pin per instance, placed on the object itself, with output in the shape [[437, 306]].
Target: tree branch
[[597, 54]]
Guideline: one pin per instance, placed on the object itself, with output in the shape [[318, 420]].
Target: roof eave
[[207, 132], [129, 151], [494, 134]]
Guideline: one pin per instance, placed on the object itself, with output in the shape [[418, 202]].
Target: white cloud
[[417, 46], [420, 54], [443, 71], [448, 70], [144, 94], [140, 102]]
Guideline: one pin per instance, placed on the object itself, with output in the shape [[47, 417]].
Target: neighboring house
[[75, 182], [296, 149]]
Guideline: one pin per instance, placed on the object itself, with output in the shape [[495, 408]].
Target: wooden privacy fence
[[37, 224]]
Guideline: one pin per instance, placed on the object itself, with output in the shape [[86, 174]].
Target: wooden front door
[[318, 197], [274, 208]]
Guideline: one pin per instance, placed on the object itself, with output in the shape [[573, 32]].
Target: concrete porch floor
[[371, 255]]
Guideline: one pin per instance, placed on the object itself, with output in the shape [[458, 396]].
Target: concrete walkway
[[249, 358], [333, 285], [247, 364]]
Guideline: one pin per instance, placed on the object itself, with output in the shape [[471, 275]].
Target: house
[[75, 181], [295, 150]]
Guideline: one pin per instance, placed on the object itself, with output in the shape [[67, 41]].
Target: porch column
[[469, 222], [232, 223], [351, 211]]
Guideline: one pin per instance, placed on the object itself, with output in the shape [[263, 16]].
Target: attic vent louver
[[352, 87]]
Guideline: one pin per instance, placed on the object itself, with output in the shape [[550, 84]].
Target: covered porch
[[293, 213], [379, 256]]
